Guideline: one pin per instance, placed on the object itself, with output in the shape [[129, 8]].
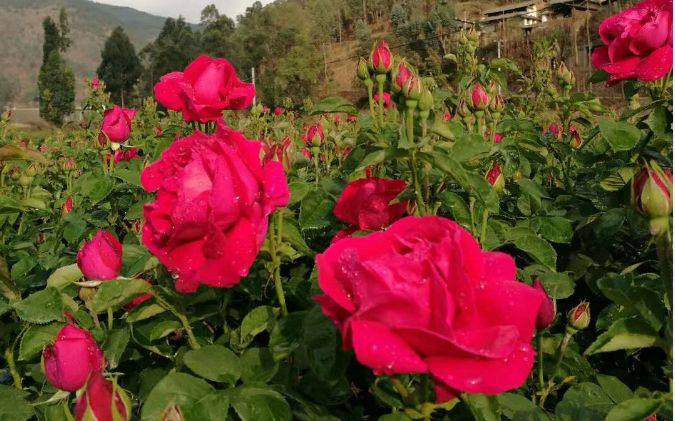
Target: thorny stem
[[540, 356], [410, 132], [483, 227]]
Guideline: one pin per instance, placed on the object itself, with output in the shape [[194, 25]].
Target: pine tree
[[120, 67], [56, 82]]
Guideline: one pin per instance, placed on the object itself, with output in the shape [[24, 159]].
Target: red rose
[[67, 206], [96, 403], [422, 297], [128, 155], [479, 97], [100, 259], [638, 43], [546, 313], [380, 58], [315, 134], [278, 111], [498, 138], [365, 203], [206, 88], [554, 130], [116, 125], [386, 100], [401, 76], [351, 118], [72, 358], [95, 84], [209, 218]]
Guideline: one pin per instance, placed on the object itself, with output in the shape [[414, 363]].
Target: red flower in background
[[365, 204], [638, 43], [67, 206], [421, 297], [126, 155], [72, 358], [116, 125], [206, 88], [209, 217], [278, 111], [314, 134], [95, 84], [351, 118]]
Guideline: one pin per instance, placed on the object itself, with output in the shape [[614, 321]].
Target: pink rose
[[206, 88], [72, 358], [638, 43], [116, 126], [422, 297], [380, 58], [96, 403], [100, 259], [365, 203], [209, 217]]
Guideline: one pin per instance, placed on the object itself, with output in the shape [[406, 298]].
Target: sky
[[189, 9]]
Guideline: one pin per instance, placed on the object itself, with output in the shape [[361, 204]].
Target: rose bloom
[[72, 358], [116, 125], [100, 258], [209, 217], [638, 43], [422, 297], [365, 203], [206, 88]]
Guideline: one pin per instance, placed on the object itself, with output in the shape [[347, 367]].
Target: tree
[[217, 34], [120, 67], [56, 84], [363, 37], [173, 49]]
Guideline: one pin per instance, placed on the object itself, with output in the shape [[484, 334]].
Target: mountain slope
[[90, 23]]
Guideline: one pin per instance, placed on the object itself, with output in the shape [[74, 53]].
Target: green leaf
[[620, 135], [636, 409], [258, 365], [379, 156], [640, 299], [134, 259], [334, 105], [624, 334], [118, 292], [292, 235], [298, 191], [558, 285], [255, 404], [482, 407], [23, 267], [36, 338], [160, 329], [583, 401], [316, 210], [41, 307], [459, 210], [215, 363], [469, 148], [178, 389], [13, 405], [74, 230], [115, 344], [94, 186], [539, 249], [64, 276], [518, 407], [256, 321], [213, 406], [286, 335], [614, 388], [143, 312], [553, 228], [399, 416]]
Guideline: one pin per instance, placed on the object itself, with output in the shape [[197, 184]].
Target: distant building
[[533, 13]]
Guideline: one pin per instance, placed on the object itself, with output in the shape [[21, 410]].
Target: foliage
[[120, 68]]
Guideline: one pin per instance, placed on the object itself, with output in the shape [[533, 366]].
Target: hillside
[[21, 37]]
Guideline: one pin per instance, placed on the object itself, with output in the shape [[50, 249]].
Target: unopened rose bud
[[380, 58], [100, 259], [69, 165], [496, 178], [315, 134], [463, 109], [565, 76], [362, 69], [576, 137], [413, 88], [102, 400], [479, 97], [546, 313], [580, 316], [426, 101], [651, 195], [67, 206], [400, 75], [493, 88], [497, 104]]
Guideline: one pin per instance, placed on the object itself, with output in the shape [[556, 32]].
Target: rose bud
[[546, 313], [400, 76], [362, 69], [100, 259], [95, 84], [265, 109], [426, 101], [380, 58], [565, 76], [72, 358], [554, 130], [498, 138], [497, 104], [496, 178], [651, 195], [278, 111], [576, 137], [96, 403], [580, 316], [315, 134], [116, 125], [69, 165], [158, 131], [479, 97], [463, 109], [413, 88], [493, 88], [67, 206], [351, 118]]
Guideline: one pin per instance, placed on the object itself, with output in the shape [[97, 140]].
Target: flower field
[[498, 247]]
